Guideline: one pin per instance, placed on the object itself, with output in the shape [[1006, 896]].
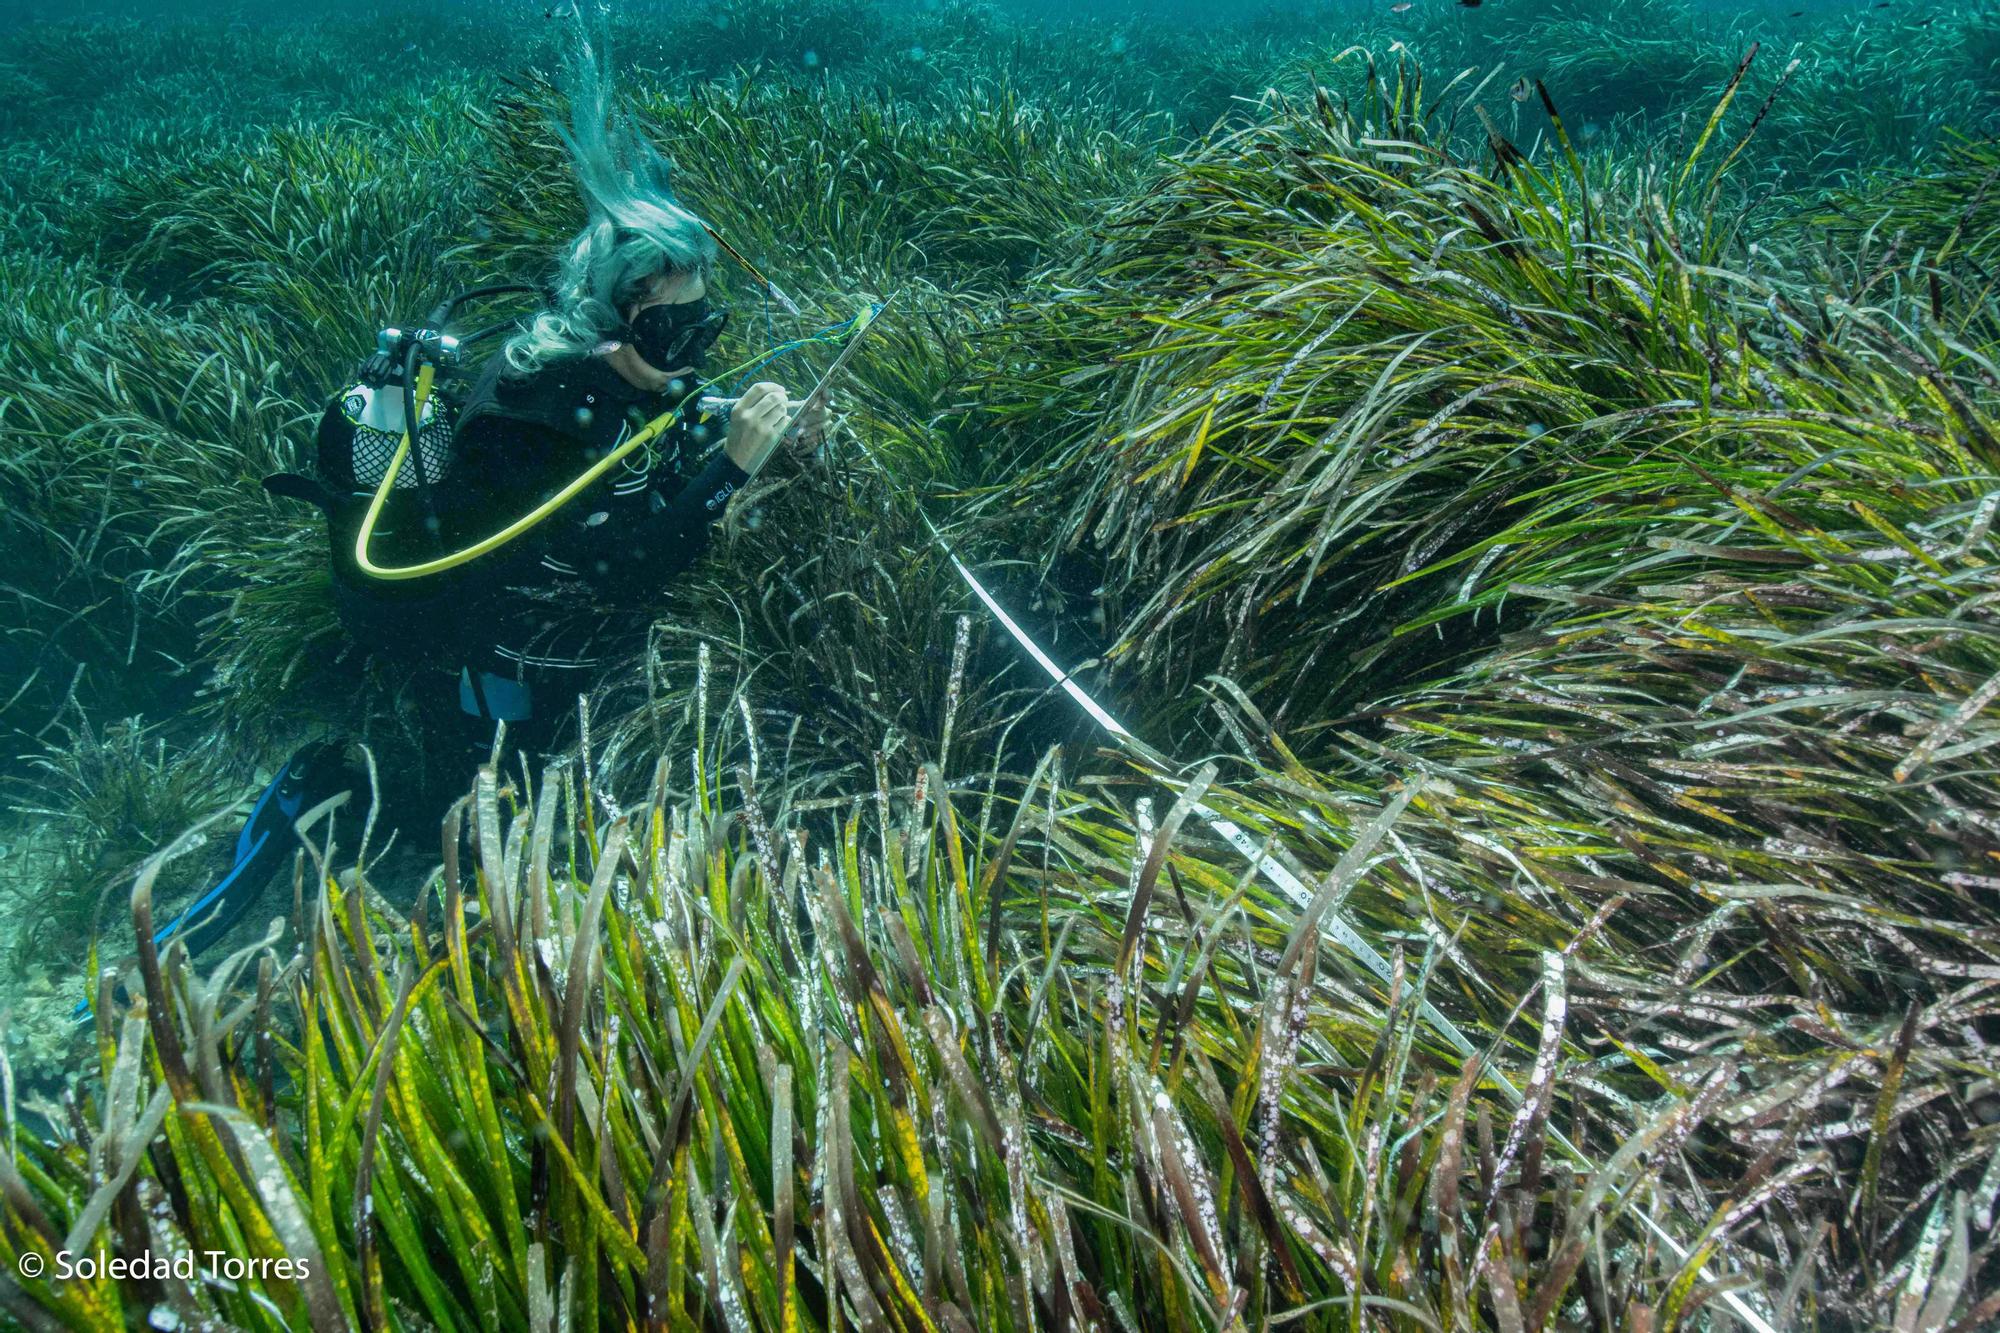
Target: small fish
[[1469, 4], [1522, 89], [1401, 8]]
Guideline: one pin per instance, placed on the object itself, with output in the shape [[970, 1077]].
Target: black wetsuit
[[527, 620], [546, 607]]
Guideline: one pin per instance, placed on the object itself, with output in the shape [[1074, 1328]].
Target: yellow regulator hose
[[640, 438]]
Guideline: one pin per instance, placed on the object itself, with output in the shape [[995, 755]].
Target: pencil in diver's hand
[[709, 404]]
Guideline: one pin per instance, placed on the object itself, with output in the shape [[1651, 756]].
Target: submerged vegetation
[[1545, 512]]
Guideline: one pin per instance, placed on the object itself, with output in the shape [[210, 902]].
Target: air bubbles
[[810, 59], [431, 523], [1534, 430], [584, 416], [917, 52], [677, 385], [1119, 44]]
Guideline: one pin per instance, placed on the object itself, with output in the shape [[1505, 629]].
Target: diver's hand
[[756, 424]]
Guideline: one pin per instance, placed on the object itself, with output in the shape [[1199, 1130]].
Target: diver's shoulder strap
[[579, 398]]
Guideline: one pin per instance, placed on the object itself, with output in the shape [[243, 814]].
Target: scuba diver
[[495, 532], [622, 345]]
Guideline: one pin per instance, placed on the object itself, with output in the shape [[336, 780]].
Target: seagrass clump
[[1668, 567], [1000, 1056]]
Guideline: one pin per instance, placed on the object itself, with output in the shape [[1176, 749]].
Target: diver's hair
[[636, 228]]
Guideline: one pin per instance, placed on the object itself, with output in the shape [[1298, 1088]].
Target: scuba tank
[[358, 435], [364, 423]]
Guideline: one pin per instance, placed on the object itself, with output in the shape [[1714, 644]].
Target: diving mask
[[676, 334]]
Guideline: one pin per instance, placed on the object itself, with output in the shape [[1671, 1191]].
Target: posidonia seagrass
[[1556, 518]]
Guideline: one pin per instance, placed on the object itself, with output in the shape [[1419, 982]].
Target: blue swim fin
[[264, 845]]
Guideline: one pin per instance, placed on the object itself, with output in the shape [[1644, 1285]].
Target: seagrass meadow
[[1525, 473]]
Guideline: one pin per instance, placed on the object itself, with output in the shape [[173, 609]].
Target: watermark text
[[189, 1266]]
